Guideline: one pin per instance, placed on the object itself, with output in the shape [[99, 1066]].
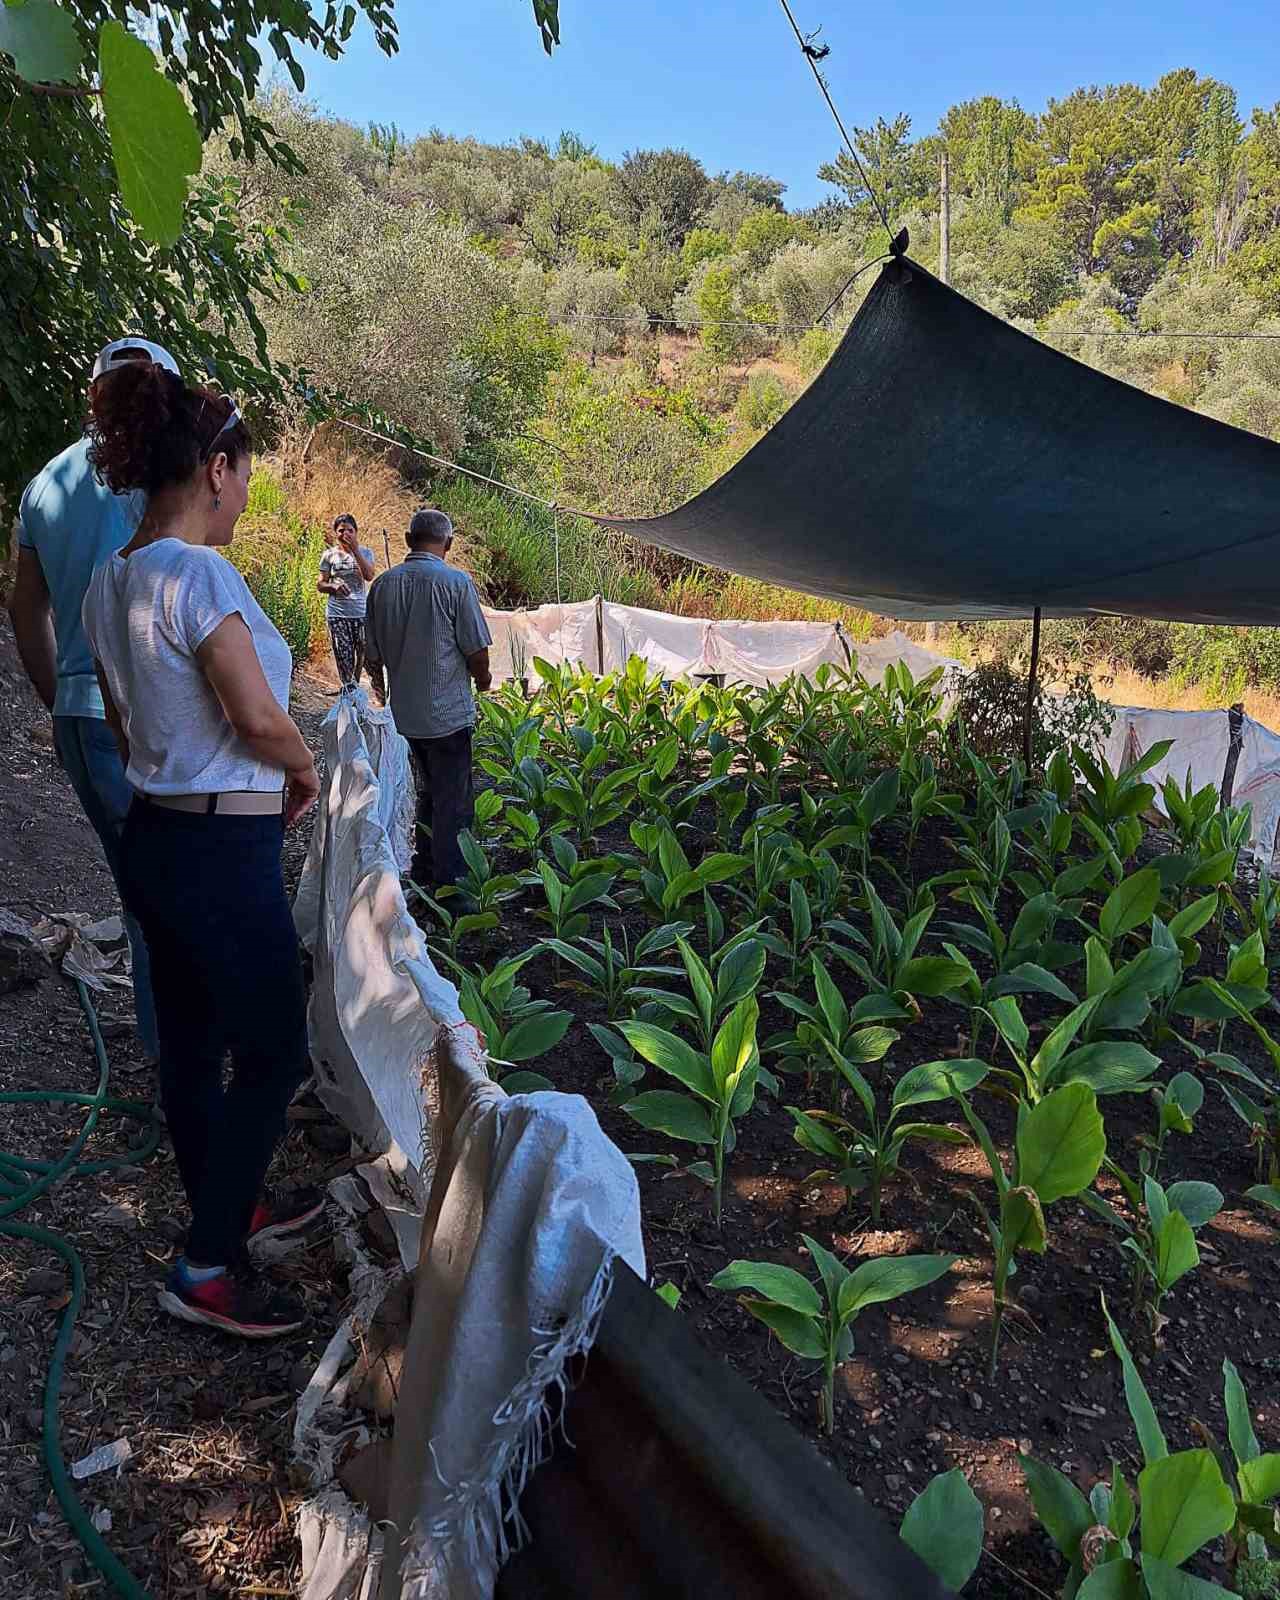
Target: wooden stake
[[1033, 672]]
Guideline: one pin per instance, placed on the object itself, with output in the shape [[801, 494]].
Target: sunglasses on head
[[233, 417]]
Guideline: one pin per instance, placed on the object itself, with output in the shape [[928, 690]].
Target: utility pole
[[944, 272], [944, 276], [944, 229]]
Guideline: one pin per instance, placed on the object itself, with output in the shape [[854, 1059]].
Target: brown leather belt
[[233, 803]]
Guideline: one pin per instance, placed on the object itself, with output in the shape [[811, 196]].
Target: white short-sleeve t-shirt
[[145, 616]]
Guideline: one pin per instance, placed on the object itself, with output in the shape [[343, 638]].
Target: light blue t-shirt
[[73, 523]]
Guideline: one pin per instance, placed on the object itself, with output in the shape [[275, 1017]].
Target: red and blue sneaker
[[282, 1212], [232, 1300]]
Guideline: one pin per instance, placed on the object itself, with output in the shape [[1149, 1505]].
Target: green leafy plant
[[818, 1327], [481, 889], [614, 974], [1058, 1147], [830, 1030], [731, 975], [567, 900], [1108, 1066], [721, 1085], [1186, 1500], [892, 969], [944, 1525], [515, 1027], [869, 1150], [1159, 1236]]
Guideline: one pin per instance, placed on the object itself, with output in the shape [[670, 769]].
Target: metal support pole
[[1033, 672], [600, 633]]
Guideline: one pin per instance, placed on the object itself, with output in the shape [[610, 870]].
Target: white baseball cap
[[119, 351]]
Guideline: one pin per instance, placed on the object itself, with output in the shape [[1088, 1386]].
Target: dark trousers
[[446, 805], [227, 978]]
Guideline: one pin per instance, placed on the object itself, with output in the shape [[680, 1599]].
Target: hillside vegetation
[[615, 334]]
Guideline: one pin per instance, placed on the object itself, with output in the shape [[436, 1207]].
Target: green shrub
[[813, 350], [763, 400]]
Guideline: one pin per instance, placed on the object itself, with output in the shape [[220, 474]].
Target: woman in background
[[195, 681], [346, 570]]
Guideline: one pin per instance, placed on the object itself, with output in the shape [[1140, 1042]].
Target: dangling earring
[[217, 501]]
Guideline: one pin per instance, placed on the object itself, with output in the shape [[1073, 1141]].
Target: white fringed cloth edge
[[530, 1206]]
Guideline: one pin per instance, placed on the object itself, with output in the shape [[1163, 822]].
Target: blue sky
[[725, 80]]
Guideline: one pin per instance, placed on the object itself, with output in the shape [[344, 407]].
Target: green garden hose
[[21, 1182]]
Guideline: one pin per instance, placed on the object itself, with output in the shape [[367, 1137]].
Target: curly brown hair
[[149, 431]]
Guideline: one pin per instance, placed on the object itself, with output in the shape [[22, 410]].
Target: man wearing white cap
[[70, 522]]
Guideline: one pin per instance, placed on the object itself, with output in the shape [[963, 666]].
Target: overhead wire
[[807, 51]]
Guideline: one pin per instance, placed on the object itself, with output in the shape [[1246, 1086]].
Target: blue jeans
[[90, 758], [209, 893]]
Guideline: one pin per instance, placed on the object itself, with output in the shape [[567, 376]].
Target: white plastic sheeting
[[377, 1002], [1201, 743], [603, 636], [527, 1205]]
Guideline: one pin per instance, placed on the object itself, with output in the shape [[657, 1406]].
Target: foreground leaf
[[944, 1526], [1185, 1503], [42, 40], [1061, 1143], [676, 1115], [1061, 1507], [782, 1284], [887, 1278], [154, 140]]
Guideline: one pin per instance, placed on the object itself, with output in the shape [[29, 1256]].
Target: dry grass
[[327, 471], [1128, 689]]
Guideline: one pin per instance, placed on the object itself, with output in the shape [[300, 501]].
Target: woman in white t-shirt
[[195, 679]]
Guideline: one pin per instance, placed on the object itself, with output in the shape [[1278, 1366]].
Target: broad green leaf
[[930, 975], [669, 1295], [1028, 978], [1059, 1040], [1189, 921], [1130, 904], [870, 1044], [42, 40], [1244, 1441], [1260, 1479], [830, 1000], [1198, 1202], [1166, 1582], [154, 140], [739, 974], [676, 1115], [476, 922], [1112, 1066], [1185, 1091], [734, 1045], [1265, 1194], [1176, 1252], [1145, 1422], [1022, 1221], [881, 798], [944, 1526], [719, 867], [701, 984], [796, 1330], [888, 1277], [1010, 1025], [576, 957], [783, 1285], [813, 1134], [1062, 1509], [534, 1036], [937, 1080], [671, 1055], [1114, 1580], [526, 1083], [1185, 1503], [1061, 1143], [832, 1271]]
